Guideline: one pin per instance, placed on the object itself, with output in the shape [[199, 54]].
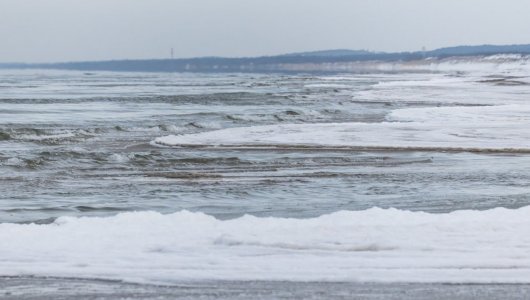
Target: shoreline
[[29, 288]]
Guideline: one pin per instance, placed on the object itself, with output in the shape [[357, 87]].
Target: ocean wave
[[474, 137], [4, 136], [461, 128], [384, 245], [47, 135]]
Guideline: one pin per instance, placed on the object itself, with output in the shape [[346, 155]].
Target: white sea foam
[[502, 125], [467, 124], [499, 127], [44, 137], [373, 245], [13, 162], [472, 89], [118, 158]]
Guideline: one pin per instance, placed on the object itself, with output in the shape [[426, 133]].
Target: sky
[[83, 30]]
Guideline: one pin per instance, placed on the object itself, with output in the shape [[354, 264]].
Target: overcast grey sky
[[66, 30]]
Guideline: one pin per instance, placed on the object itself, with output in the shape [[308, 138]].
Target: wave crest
[[373, 245]]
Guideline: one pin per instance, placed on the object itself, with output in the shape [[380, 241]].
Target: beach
[[60, 288], [213, 185]]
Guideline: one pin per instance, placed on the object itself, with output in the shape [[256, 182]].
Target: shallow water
[[96, 144], [75, 143]]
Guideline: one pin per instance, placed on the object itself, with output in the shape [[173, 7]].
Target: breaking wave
[[387, 245], [498, 128]]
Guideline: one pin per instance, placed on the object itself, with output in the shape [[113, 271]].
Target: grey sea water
[[79, 144]]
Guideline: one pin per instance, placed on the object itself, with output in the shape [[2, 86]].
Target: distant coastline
[[316, 61]]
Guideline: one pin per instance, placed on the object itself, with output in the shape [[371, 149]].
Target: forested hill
[[272, 63]]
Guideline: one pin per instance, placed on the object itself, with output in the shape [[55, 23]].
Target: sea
[[163, 178]]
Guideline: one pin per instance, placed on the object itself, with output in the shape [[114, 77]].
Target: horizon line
[[294, 54]]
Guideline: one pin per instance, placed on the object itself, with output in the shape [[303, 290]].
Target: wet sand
[[64, 288]]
